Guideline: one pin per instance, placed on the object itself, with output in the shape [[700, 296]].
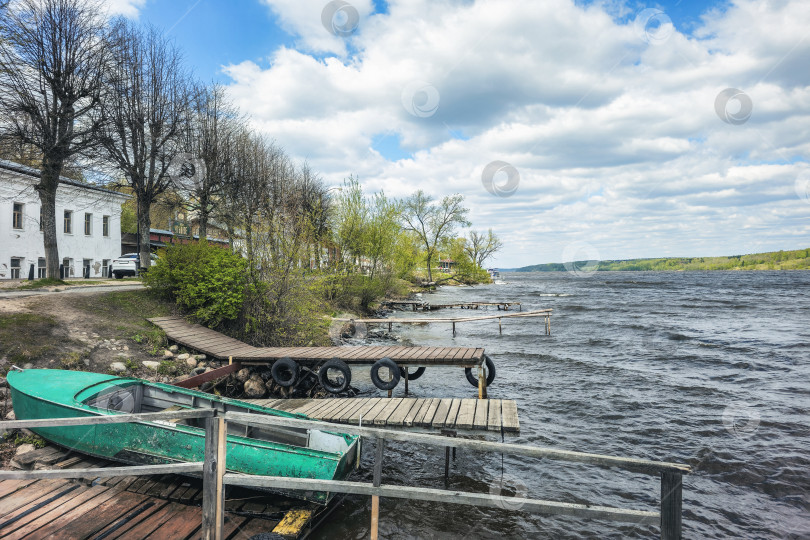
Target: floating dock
[[499, 415], [222, 347]]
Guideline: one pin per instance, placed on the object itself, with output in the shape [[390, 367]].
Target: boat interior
[[138, 397]]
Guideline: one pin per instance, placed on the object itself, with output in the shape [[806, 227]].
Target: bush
[[203, 279]]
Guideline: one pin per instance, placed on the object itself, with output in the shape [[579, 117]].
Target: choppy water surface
[[711, 369]]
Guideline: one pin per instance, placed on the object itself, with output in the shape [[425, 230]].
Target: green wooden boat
[[273, 451]]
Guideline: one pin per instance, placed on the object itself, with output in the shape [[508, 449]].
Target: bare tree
[[433, 222], [52, 55], [480, 246], [144, 107], [200, 175]]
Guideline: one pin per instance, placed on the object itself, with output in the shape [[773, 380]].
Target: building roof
[[36, 173]]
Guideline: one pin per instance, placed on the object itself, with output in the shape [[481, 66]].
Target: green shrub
[[203, 279]]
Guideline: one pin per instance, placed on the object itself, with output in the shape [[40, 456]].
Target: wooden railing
[[215, 476]]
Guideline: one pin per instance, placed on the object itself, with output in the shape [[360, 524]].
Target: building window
[[88, 224], [17, 219], [42, 271], [105, 225], [68, 222], [16, 264]]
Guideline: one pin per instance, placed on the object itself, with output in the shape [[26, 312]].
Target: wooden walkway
[[499, 415], [222, 347], [155, 507], [425, 306]]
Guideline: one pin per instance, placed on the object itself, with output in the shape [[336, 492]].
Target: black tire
[[117, 275], [285, 371], [345, 370], [490, 372], [198, 370], [392, 368], [412, 376]]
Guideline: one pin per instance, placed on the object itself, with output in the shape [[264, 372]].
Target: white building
[[88, 225]]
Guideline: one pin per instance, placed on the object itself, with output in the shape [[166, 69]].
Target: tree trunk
[[203, 218], [48, 201], [430, 274], [49, 181], [144, 224]]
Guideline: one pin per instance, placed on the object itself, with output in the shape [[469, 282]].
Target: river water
[[711, 369]]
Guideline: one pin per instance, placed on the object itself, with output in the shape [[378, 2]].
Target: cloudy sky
[[575, 129]]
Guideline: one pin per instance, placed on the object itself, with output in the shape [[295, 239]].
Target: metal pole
[[375, 500]]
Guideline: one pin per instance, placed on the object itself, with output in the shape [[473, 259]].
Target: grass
[[128, 311], [47, 282], [25, 336]]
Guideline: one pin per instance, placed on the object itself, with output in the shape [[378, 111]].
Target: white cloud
[[127, 8], [616, 140]]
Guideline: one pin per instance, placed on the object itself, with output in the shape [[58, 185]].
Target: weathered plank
[[466, 413], [494, 415], [481, 414], [510, 416]]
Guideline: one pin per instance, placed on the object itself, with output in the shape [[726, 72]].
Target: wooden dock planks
[[447, 413], [221, 347]]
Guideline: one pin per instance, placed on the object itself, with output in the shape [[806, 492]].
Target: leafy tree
[[480, 247], [433, 222]]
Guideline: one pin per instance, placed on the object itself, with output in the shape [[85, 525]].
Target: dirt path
[[86, 328]]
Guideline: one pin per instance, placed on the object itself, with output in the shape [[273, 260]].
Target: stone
[[24, 449], [168, 354], [174, 348], [11, 416], [199, 357], [28, 365], [125, 348], [255, 388], [183, 356], [190, 362], [118, 367], [3, 392], [3, 382], [151, 364], [243, 375]]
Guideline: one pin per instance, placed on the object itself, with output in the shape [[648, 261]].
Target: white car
[[126, 265]]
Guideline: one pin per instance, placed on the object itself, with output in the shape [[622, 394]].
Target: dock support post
[[213, 469], [390, 327], [406, 380], [482, 382], [671, 505], [500, 326], [375, 499], [454, 329]]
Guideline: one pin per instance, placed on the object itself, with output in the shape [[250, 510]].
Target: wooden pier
[[425, 306], [222, 347], [155, 507], [499, 415], [106, 519], [543, 313]]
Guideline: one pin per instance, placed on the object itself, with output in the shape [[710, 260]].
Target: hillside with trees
[[772, 260]]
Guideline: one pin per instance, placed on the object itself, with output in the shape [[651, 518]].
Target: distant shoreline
[[773, 260]]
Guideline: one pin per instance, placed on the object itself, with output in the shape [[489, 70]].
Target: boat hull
[[168, 442]]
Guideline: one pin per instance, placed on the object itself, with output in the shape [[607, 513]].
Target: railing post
[[375, 500], [671, 505], [213, 470]]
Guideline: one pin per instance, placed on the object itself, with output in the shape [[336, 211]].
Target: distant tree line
[[773, 260]]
